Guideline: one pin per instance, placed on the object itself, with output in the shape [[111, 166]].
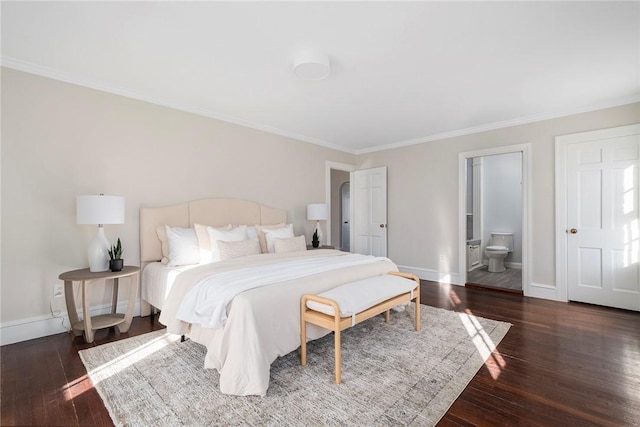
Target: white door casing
[[369, 201], [601, 238], [528, 287], [345, 217], [328, 166]]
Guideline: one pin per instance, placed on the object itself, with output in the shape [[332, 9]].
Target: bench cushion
[[355, 297]]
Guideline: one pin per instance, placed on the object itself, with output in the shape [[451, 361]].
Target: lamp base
[[98, 252], [319, 230]]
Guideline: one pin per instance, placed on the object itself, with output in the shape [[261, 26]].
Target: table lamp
[[99, 210], [318, 212]]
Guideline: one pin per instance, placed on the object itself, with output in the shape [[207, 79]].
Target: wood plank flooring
[[559, 365]]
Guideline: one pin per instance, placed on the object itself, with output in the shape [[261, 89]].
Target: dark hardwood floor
[[559, 365]]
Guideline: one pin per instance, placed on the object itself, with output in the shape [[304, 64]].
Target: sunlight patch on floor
[[80, 385], [494, 361], [76, 387]]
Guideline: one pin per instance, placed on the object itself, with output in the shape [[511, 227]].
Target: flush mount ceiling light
[[310, 65]]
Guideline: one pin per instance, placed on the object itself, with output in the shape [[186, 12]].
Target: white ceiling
[[401, 73]]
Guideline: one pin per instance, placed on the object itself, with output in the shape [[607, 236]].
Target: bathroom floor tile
[[509, 279]]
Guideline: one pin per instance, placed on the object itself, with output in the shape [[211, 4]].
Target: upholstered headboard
[[213, 212]]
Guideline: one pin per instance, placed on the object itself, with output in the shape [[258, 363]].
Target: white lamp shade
[[317, 212], [100, 209]]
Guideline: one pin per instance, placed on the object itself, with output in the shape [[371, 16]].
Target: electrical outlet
[[57, 290]]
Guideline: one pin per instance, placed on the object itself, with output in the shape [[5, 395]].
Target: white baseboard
[[42, 326], [536, 290], [513, 265], [544, 291], [433, 275]]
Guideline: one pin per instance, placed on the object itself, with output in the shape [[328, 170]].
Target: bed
[[261, 323]]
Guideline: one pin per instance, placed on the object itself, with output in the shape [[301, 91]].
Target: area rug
[[391, 375]]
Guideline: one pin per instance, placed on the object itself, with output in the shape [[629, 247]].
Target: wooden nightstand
[[309, 247], [89, 324]]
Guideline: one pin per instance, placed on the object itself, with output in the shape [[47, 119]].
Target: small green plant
[[116, 251]]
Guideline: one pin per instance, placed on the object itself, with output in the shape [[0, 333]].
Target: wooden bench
[[349, 304]]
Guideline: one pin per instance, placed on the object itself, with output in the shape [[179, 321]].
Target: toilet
[[499, 247]]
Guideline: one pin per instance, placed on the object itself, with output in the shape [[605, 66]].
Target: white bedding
[[206, 303], [156, 282], [262, 323]]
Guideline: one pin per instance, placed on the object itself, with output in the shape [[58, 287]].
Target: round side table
[[89, 323]]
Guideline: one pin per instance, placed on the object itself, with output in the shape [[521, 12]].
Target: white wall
[[60, 140], [423, 192], [502, 200]]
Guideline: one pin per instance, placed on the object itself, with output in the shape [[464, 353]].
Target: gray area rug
[[392, 375]]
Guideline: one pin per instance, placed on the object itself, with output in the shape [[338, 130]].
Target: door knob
[[573, 231], [382, 225]]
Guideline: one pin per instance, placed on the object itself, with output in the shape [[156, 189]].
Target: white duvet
[[262, 323], [206, 304]]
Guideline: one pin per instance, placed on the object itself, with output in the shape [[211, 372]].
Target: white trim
[[52, 73], [543, 291], [42, 326], [499, 125], [511, 265], [327, 189], [433, 275], [525, 149], [562, 142]]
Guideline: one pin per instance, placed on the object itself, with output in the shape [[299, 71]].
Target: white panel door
[[603, 246], [369, 193]]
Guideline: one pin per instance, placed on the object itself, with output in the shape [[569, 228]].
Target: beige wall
[[423, 190], [60, 140]]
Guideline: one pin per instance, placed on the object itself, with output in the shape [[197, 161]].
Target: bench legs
[[338, 362], [336, 324], [337, 346], [303, 332]]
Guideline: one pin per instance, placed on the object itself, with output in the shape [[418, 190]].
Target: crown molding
[[55, 74], [52, 73], [497, 125]]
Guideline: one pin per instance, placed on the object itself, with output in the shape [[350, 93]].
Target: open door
[[369, 226]]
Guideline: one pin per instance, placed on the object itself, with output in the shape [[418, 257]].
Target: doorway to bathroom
[[493, 218]]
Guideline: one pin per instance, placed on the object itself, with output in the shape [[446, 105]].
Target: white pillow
[[179, 245], [263, 241], [204, 241], [293, 244], [277, 233], [238, 249], [252, 232], [232, 235]]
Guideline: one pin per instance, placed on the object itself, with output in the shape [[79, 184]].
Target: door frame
[[342, 217], [562, 143], [327, 185], [525, 149]]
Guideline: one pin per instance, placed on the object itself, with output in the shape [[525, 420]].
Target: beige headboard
[[213, 212]]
